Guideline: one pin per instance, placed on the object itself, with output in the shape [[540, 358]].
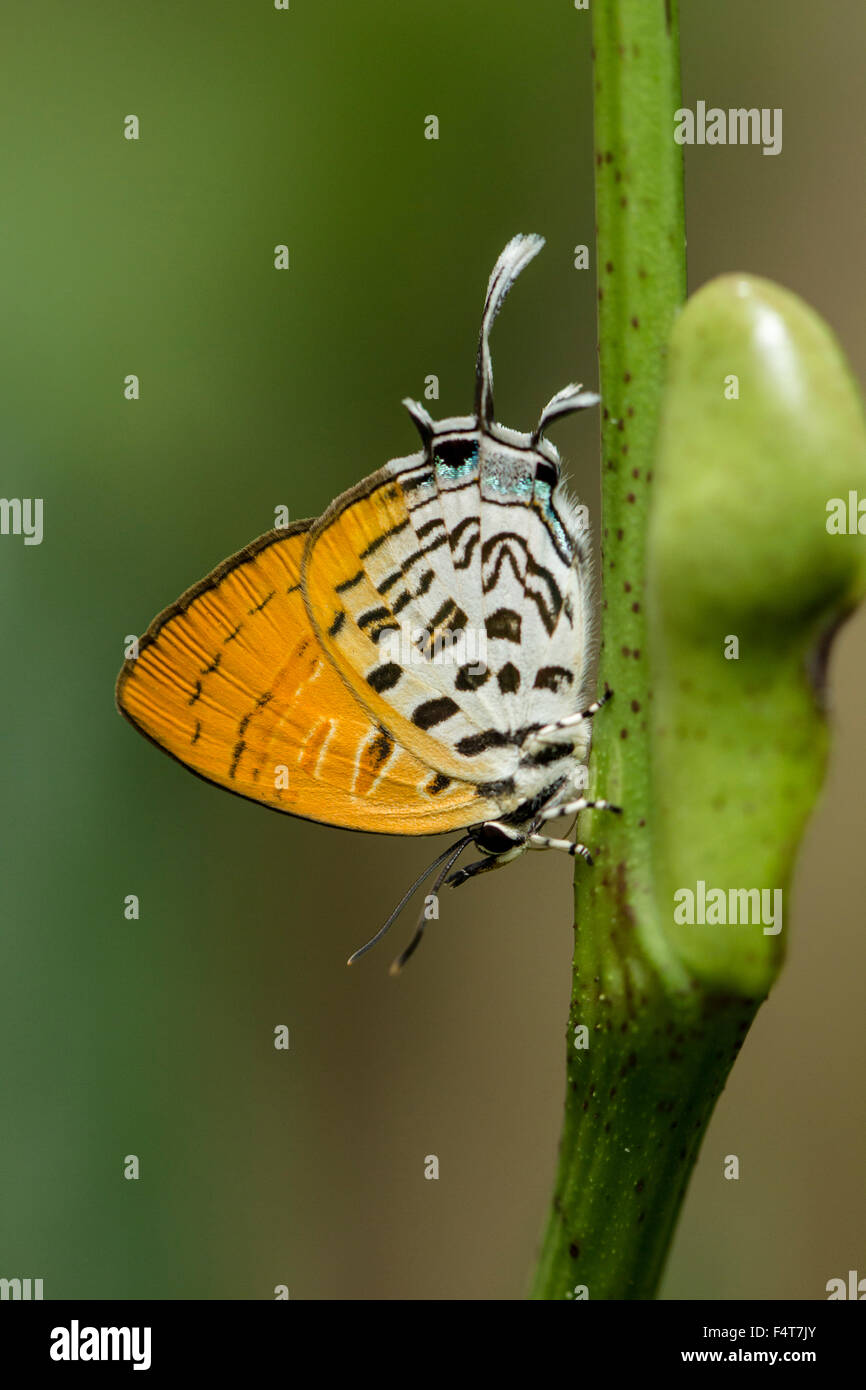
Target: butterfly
[[420, 659]]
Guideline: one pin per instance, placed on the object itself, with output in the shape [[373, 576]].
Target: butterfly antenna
[[565, 402], [362, 950], [453, 854], [517, 254]]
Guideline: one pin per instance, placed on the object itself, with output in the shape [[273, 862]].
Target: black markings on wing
[[552, 753], [381, 748], [433, 712], [384, 677], [504, 624], [508, 679], [371, 616], [447, 618], [471, 676], [507, 548], [408, 564], [382, 538], [474, 744], [463, 540], [553, 678]]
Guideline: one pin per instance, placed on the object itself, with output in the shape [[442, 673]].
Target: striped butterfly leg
[[571, 847], [569, 808], [571, 720]]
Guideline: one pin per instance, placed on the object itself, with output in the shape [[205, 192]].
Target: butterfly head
[[517, 254]]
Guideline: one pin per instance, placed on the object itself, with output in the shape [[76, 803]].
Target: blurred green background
[[261, 388]]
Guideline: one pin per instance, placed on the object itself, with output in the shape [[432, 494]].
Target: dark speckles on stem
[[631, 497], [635, 705], [639, 1185], [623, 733], [635, 323], [574, 1250], [608, 265]]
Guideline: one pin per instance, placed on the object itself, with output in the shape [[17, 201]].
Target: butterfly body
[[418, 659]]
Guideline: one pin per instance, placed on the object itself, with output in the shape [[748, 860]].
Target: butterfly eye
[[546, 473]]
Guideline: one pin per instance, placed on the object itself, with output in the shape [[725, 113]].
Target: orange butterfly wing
[[233, 682]]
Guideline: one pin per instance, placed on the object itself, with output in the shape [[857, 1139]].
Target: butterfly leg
[[570, 808], [571, 720], [567, 846]]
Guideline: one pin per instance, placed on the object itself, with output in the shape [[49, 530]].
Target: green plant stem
[[717, 625], [635, 1109]]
